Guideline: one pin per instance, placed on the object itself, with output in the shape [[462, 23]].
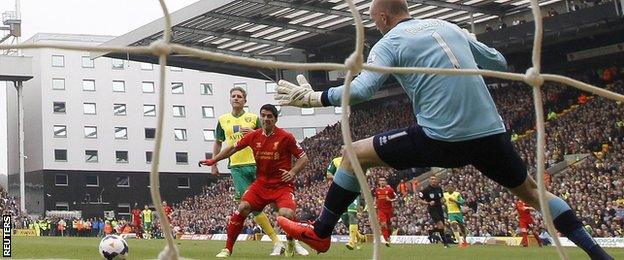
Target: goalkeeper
[[457, 121], [349, 218]]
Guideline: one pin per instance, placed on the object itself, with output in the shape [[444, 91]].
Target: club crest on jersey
[[258, 144], [248, 119], [275, 145]]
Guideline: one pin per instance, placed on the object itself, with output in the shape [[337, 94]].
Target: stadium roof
[[286, 29]]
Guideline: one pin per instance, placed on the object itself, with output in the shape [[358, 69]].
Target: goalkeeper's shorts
[[493, 155]]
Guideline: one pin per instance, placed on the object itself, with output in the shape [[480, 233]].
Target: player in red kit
[[526, 223], [136, 219], [168, 210], [273, 149], [384, 196]]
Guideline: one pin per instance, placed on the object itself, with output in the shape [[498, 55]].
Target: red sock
[[525, 239], [233, 230], [386, 233]]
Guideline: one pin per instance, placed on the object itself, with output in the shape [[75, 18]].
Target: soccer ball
[[113, 247]]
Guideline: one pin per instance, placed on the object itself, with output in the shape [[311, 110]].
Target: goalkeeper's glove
[[207, 162], [289, 94]]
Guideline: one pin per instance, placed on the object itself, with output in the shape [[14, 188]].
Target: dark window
[[183, 182], [150, 133], [60, 155], [93, 181], [181, 157], [60, 180]]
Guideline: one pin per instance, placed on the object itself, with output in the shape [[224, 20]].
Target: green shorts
[[242, 176], [456, 217], [147, 225]]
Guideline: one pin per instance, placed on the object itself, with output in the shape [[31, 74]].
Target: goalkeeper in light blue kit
[[457, 121]]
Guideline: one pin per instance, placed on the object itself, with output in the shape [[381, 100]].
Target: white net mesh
[[353, 65]]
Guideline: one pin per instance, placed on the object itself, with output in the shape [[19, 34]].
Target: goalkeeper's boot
[[304, 232], [224, 253], [350, 245], [278, 249], [300, 250], [290, 248]]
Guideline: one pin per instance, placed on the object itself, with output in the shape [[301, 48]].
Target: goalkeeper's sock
[[262, 220], [233, 230], [570, 226], [343, 190]]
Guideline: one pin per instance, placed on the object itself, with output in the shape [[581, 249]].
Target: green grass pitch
[[87, 248]]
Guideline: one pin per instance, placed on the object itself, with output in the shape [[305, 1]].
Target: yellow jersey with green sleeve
[[229, 131]]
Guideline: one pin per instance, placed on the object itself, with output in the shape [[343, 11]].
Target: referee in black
[[433, 197]]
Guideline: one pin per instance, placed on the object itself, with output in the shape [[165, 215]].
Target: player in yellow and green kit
[[454, 200], [349, 218], [231, 127]]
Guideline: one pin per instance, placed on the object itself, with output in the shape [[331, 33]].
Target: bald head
[[388, 13], [391, 7]]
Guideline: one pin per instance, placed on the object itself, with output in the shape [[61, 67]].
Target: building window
[[91, 156], [93, 181], [147, 87], [148, 157], [119, 86], [307, 111], [270, 87], [117, 64], [58, 84], [176, 69], [121, 156], [309, 132], [147, 66], [207, 155], [209, 135], [206, 88], [149, 110], [60, 155], [121, 132], [177, 88], [179, 111], [123, 181], [64, 206], [89, 108], [88, 85], [60, 131], [179, 134], [207, 112], [87, 62], [181, 157], [241, 85], [58, 61], [119, 109], [60, 180], [123, 209], [183, 183], [150, 133], [90, 131], [59, 107]]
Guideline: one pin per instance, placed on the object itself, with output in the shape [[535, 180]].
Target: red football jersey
[[524, 213], [272, 153], [381, 194], [168, 210], [136, 215]]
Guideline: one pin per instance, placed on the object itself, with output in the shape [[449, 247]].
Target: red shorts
[[526, 223], [258, 196], [384, 216]]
